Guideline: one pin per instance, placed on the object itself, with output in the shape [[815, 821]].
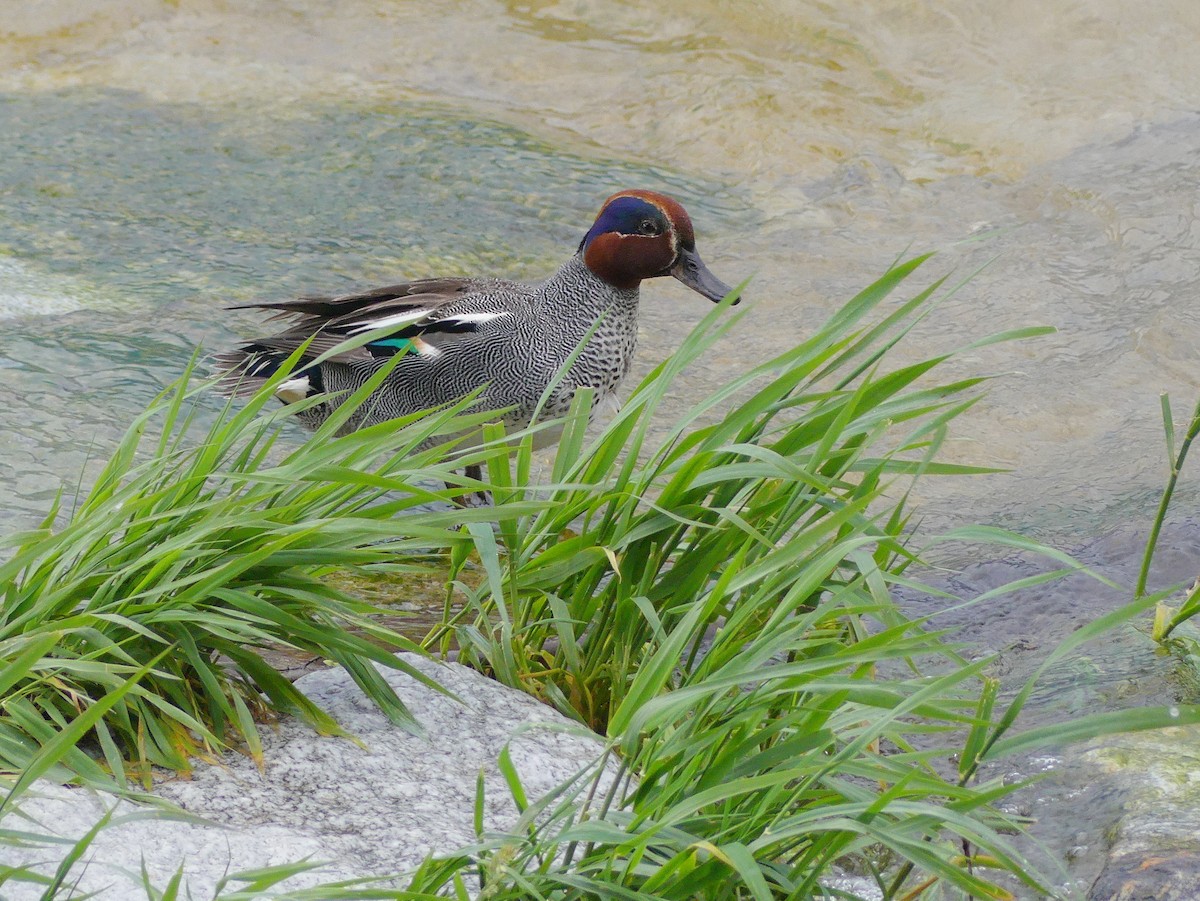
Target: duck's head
[[644, 234]]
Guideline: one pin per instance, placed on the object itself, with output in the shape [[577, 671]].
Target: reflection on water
[[771, 89]]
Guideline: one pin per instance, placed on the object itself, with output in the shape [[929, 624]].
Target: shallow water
[[1073, 804], [173, 158], [159, 161]]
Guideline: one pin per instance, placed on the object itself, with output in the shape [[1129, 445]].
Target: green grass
[[197, 552], [1173, 628], [793, 494], [713, 595], [718, 603]]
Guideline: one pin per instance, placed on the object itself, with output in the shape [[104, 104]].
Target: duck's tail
[[243, 372]]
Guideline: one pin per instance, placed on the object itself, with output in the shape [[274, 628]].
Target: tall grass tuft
[[195, 550], [715, 597], [776, 495]]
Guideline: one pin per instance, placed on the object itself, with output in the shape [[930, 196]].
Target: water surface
[[174, 158]]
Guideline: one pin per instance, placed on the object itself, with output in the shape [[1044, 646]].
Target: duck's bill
[[690, 270]]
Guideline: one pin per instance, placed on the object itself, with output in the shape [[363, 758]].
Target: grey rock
[[1169, 877], [378, 809], [1155, 849]]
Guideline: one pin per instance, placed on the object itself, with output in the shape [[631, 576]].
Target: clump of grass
[[195, 551], [796, 492], [718, 604]]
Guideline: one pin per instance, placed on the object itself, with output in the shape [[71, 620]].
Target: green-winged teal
[[507, 338]]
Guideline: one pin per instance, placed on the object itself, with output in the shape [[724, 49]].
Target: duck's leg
[[473, 498]]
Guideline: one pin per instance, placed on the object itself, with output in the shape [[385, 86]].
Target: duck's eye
[[647, 227]]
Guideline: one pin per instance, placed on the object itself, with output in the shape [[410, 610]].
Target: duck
[[507, 340]]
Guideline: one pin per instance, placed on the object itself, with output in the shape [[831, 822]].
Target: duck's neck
[[575, 288]]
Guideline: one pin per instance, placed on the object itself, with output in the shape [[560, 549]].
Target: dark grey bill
[[690, 270]]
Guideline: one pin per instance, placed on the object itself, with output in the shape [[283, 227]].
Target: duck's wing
[[419, 316], [318, 310]]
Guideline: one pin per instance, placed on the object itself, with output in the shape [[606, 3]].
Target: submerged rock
[[1155, 849], [1171, 877], [378, 809]]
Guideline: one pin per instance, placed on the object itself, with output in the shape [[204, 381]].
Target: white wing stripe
[[425, 349], [476, 317], [395, 319], [413, 315]]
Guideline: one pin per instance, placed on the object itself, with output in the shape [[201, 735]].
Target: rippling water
[[159, 161]]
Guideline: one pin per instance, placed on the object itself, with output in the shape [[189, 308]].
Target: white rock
[[377, 810]]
